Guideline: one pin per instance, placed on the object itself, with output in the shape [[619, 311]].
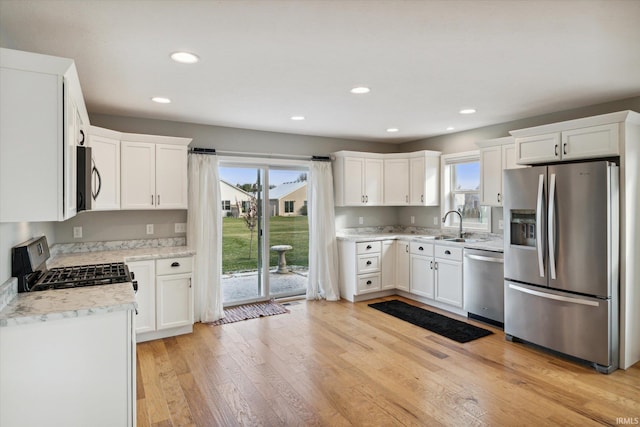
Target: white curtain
[[204, 236], [323, 246]]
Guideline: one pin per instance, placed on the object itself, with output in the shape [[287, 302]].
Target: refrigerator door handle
[[552, 226], [539, 208], [554, 296]]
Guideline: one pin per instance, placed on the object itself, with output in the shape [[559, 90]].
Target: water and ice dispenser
[[523, 227]]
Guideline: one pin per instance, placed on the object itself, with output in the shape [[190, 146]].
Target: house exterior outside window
[[226, 205], [288, 206]]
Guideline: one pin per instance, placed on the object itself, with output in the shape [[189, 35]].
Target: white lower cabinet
[[164, 297], [448, 275], [422, 281], [366, 268], [403, 261], [76, 371]]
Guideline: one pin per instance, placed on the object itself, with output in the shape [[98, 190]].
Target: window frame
[[447, 161], [286, 202], [224, 205]]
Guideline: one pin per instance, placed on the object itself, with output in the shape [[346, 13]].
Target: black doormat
[[442, 325]]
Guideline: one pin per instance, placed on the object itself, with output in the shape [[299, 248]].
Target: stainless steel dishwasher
[[484, 285]]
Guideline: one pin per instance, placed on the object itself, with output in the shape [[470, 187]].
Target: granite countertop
[[36, 307], [489, 242]]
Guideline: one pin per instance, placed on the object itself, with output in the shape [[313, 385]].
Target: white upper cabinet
[[105, 174], [496, 155], [153, 172], [373, 179], [588, 138], [396, 182], [358, 179], [43, 119], [424, 182]]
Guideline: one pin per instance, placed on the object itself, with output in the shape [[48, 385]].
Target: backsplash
[[72, 248]]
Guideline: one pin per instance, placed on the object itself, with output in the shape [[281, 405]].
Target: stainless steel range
[[28, 264]]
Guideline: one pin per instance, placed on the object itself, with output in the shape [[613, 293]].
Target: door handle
[[158, 198], [406, 248], [152, 199], [175, 264], [554, 296], [422, 198], [551, 224], [99, 179], [555, 150], [431, 265], [499, 198], [539, 207], [368, 246], [435, 265], [368, 262], [420, 248], [564, 148], [447, 252], [406, 198]]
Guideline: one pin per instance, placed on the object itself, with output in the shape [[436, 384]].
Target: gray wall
[[120, 225], [465, 141], [349, 217], [231, 139], [13, 233]]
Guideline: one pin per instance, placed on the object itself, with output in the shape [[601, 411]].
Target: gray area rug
[[250, 311]]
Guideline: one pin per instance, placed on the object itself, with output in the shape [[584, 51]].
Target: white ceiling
[[264, 61]]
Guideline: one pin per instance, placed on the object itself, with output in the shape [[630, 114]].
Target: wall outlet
[[435, 220], [501, 224], [413, 219], [77, 232], [180, 227], [360, 220], [149, 228]]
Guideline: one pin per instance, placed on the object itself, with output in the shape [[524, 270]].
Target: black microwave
[[85, 195]]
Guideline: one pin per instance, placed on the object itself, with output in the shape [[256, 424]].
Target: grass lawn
[[284, 230]]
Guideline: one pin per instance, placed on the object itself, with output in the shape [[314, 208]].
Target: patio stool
[[282, 261]]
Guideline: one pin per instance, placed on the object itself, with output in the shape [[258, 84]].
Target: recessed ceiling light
[[360, 90], [185, 57], [391, 130], [298, 118], [161, 100], [467, 111], [450, 128]]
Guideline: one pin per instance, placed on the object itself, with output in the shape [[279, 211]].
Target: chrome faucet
[[444, 219]]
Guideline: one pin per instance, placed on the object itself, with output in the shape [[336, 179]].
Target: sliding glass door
[[264, 233]]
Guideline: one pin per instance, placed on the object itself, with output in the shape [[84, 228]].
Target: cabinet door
[[105, 179], [422, 280], [402, 266], [353, 181], [388, 264], [594, 141], [538, 149], [396, 182], [424, 185], [373, 181], [448, 282], [144, 273], [171, 176], [138, 175], [491, 176], [417, 181], [174, 301], [72, 123]]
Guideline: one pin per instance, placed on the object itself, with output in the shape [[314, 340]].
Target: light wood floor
[[335, 364]]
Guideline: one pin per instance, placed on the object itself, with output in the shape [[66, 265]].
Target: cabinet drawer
[[368, 263], [368, 247], [174, 265], [368, 283], [448, 252], [419, 248]]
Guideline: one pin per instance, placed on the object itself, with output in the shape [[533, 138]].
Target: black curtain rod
[[197, 150], [212, 151]]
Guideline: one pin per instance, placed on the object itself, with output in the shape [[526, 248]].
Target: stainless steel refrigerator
[[561, 259]]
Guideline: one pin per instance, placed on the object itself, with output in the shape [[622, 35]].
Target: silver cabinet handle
[[554, 296], [406, 198], [362, 198], [484, 258], [422, 198], [158, 198], [431, 265], [366, 199], [152, 199], [435, 265], [406, 248], [499, 198], [551, 225], [539, 226]]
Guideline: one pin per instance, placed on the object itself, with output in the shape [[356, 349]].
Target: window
[[226, 205], [288, 206], [245, 206], [461, 192]]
